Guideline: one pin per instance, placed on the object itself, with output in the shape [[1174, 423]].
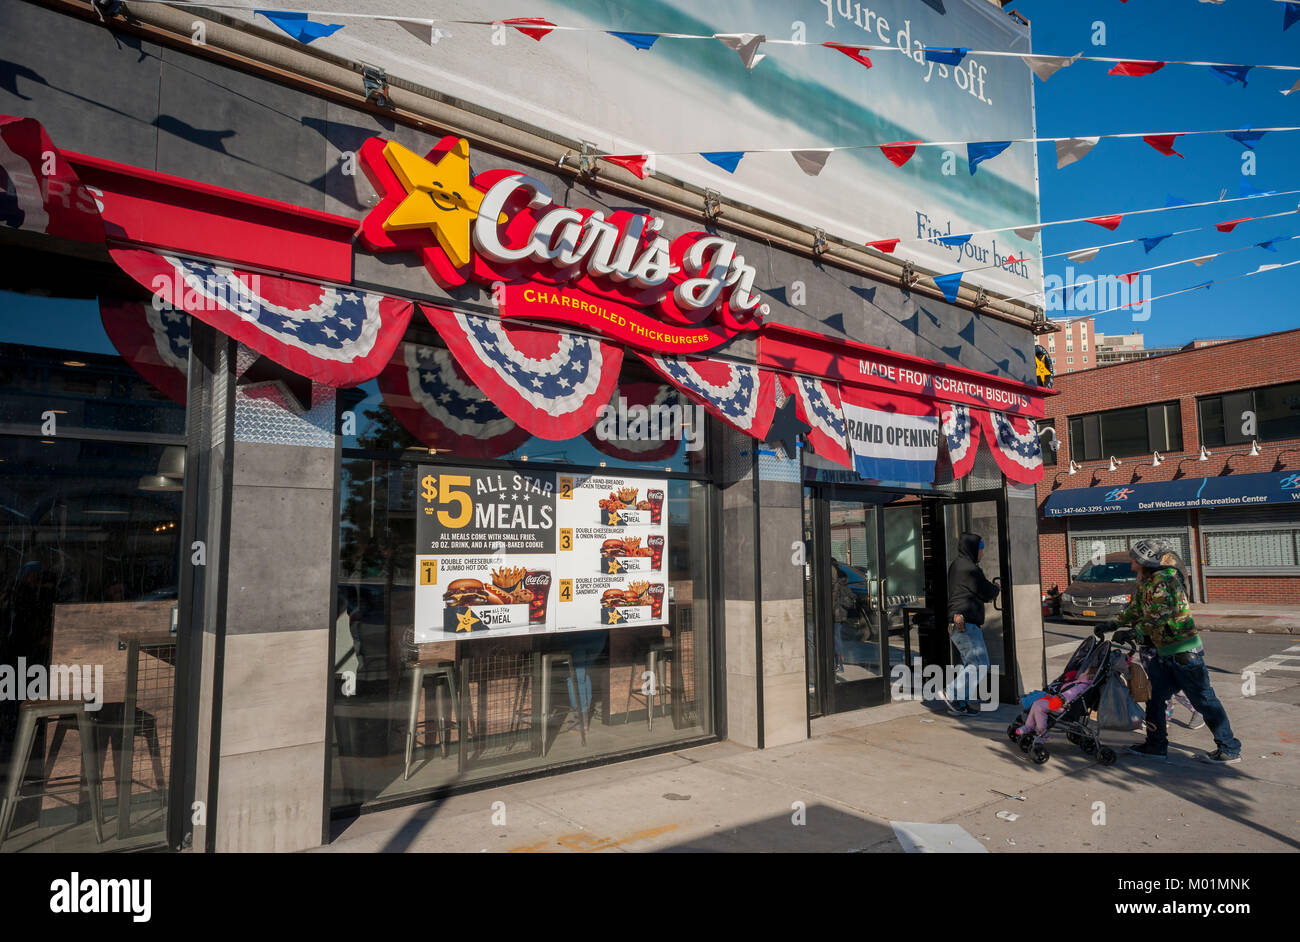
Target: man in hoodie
[[968, 591]]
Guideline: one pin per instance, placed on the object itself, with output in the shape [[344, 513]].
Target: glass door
[[845, 587]]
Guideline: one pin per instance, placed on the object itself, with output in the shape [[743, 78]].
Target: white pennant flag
[[424, 31], [810, 162], [1073, 148], [1198, 262], [1265, 268], [1293, 88], [1027, 232], [746, 45], [1047, 66], [1084, 255]]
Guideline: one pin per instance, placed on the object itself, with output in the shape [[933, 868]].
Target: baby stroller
[[1092, 665]]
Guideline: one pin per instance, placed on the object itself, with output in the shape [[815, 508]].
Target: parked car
[[1100, 591]]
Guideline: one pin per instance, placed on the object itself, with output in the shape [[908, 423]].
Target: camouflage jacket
[[1160, 612]]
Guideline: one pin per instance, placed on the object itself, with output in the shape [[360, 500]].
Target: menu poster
[[508, 553], [613, 535], [485, 553]]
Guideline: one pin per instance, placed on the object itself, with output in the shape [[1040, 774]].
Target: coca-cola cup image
[[656, 594], [656, 498], [539, 583], [656, 544]]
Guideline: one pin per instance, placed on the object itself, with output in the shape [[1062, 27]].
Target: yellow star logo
[[614, 566], [466, 622], [614, 518], [1043, 372], [438, 196], [615, 616]]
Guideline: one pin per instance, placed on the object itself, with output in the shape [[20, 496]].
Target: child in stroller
[[1068, 703]]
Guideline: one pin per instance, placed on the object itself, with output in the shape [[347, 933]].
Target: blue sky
[[1121, 175]]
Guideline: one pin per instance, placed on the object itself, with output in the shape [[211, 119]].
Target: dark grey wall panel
[[95, 92], [231, 129]]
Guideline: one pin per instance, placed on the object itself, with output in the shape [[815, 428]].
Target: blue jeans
[[585, 648], [1168, 676], [974, 655]]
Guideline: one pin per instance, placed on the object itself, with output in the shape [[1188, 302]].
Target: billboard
[[682, 97]]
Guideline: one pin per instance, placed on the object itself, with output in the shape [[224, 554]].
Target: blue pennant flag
[[1150, 242], [1267, 244], [948, 55], [298, 26], [1247, 138], [726, 159], [1176, 201], [976, 154], [1290, 13], [1203, 284], [949, 285], [957, 240], [1231, 73], [1247, 190], [639, 40]]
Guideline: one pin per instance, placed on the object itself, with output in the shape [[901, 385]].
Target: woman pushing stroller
[[1160, 616]]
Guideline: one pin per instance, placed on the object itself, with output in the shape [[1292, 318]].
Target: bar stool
[[549, 662], [438, 674], [658, 655], [29, 713]]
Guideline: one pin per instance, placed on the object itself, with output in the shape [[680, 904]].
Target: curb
[[1248, 627]]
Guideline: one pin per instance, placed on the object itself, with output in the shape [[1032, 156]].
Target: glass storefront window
[[92, 463], [412, 716]]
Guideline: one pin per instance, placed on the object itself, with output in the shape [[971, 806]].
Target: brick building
[[1205, 445]]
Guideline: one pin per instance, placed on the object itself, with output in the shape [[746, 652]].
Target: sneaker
[[1218, 755], [1196, 721], [955, 708], [1148, 752]]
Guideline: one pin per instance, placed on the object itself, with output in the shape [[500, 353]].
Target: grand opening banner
[[509, 553]]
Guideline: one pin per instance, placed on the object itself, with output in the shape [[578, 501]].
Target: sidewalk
[[1260, 619], [915, 766]]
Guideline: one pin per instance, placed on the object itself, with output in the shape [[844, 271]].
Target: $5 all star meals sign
[[615, 274]]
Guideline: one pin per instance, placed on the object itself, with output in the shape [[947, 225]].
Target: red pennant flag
[[521, 22], [1163, 143], [900, 152], [1107, 222], [1012, 260], [1129, 277], [856, 54], [1135, 67], [634, 163], [1232, 223], [884, 245]]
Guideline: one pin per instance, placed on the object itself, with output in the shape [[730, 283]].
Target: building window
[[1126, 432], [1225, 419], [1085, 344], [1085, 359], [1069, 346], [1046, 438], [398, 728], [1251, 549]]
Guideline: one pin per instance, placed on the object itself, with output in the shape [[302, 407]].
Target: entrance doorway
[[864, 593], [986, 517]]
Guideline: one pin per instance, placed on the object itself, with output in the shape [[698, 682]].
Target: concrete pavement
[[845, 790]]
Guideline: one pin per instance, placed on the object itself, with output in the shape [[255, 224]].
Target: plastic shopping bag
[[1116, 710]]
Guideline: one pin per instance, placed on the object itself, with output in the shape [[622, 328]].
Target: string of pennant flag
[[1262, 269], [747, 45]]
